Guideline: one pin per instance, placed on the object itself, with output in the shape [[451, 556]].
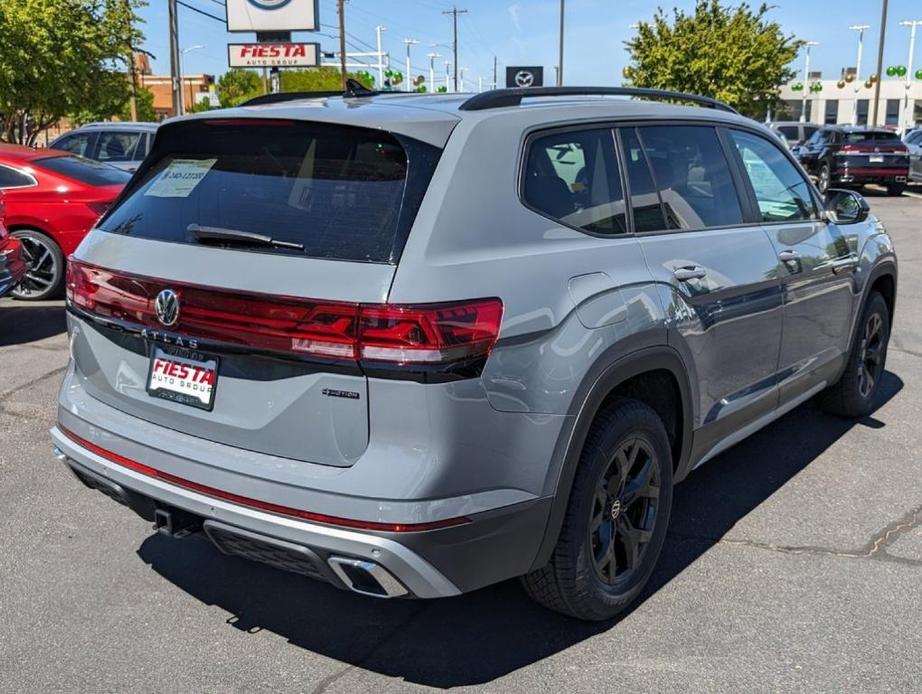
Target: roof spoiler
[[503, 98], [354, 89]]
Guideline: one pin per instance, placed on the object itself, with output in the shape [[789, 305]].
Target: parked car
[[413, 346], [13, 265], [846, 155], [51, 200], [913, 142], [123, 145], [794, 132]]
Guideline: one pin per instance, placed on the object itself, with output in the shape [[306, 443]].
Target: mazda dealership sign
[[524, 76], [272, 15]]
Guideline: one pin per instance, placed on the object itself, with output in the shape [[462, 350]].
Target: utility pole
[[407, 81], [132, 70], [803, 104], [454, 12], [378, 30], [880, 59], [432, 57], [174, 59], [340, 6], [907, 109], [860, 29], [560, 56], [494, 72]]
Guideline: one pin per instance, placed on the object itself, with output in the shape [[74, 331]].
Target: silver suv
[[415, 345]]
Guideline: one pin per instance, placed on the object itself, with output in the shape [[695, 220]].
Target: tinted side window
[[87, 171], [781, 191], [10, 178], [78, 143], [118, 146], [645, 202], [692, 175], [790, 132], [573, 177], [809, 130]]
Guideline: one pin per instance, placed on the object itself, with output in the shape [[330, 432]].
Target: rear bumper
[[491, 546], [861, 174]]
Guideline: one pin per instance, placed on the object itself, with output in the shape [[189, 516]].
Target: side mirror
[[846, 206]]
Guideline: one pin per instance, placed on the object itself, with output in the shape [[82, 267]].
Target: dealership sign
[[524, 76], [273, 54], [272, 15]]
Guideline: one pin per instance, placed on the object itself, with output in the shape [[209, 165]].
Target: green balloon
[[901, 71], [891, 71], [919, 74]]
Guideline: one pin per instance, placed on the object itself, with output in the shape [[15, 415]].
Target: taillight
[[434, 334]]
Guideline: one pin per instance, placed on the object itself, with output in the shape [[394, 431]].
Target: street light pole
[[880, 59], [181, 77], [860, 29], [803, 104], [560, 51], [378, 30], [907, 109], [432, 57], [409, 42]]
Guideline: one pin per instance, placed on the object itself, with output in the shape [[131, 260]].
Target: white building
[[853, 103]]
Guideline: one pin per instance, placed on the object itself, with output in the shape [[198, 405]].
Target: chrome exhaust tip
[[59, 455], [366, 577]]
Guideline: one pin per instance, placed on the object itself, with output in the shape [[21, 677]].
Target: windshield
[[87, 171], [340, 192], [860, 138]]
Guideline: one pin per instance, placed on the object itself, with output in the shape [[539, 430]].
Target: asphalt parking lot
[[794, 562]]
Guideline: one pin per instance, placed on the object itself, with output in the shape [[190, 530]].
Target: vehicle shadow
[[476, 638], [22, 322]]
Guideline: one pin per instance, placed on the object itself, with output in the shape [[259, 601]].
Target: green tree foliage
[[145, 102], [320, 79], [237, 85], [734, 54], [60, 58]]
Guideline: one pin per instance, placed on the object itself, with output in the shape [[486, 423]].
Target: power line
[[202, 12]]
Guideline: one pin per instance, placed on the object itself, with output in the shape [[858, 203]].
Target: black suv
[[842, 155]]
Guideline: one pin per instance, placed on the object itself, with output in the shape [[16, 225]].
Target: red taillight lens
[[425, 334], [433, 334]]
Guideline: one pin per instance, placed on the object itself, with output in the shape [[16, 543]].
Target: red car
[[13, 265], [52, 199]]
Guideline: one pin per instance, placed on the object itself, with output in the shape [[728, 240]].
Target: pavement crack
[[891, 533], [34, 382]]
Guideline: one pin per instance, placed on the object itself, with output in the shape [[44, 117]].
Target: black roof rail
[[354, 89], [501, 98]]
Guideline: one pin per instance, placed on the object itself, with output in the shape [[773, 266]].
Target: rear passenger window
[[781, 192], [9, 178], [573, 177], [692, 175], [645, 202]]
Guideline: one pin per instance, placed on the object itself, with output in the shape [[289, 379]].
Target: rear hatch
[[221, 295], [872, 150]]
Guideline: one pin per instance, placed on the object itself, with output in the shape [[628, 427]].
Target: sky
[[525, 32]]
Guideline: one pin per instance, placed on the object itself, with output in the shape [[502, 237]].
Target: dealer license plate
[[185, 377]]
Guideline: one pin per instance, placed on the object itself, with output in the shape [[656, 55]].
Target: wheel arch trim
[[585, 407]]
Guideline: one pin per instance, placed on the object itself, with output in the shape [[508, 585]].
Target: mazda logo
[[524, 78], [166, 306]]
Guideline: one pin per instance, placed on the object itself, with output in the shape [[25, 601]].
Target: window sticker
[[180, 178]]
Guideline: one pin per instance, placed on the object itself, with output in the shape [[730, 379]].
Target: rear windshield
[[341, 192], [858, 138], [87, 171]]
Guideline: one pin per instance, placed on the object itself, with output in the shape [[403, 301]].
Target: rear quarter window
[[341, 192]]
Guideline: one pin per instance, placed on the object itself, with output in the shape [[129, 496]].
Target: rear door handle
[[788, 256], [692, 272], [845, 265]]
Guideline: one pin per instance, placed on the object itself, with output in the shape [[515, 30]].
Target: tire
[[894, 190], [824, 178], [856, 391], [45, 279], [603, 515]]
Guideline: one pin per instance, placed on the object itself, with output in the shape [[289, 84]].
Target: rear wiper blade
[[237, 236]]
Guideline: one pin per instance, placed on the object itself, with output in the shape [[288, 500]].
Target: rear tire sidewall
[[606, 601], [875, 304], [823, 181], [54, 290], [896, 189]]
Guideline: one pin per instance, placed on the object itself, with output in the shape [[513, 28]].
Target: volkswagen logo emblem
[[269, 4], [166, 306], [524, 78]]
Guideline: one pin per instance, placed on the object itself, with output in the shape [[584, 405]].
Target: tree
[[145, 103], [320, 79], [237, 85], [63, 57], [732, 54]]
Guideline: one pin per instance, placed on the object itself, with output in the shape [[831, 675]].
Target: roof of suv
[[119, 125], [431, 117]]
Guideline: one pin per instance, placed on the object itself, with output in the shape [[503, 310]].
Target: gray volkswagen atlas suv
[[416, 345]]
